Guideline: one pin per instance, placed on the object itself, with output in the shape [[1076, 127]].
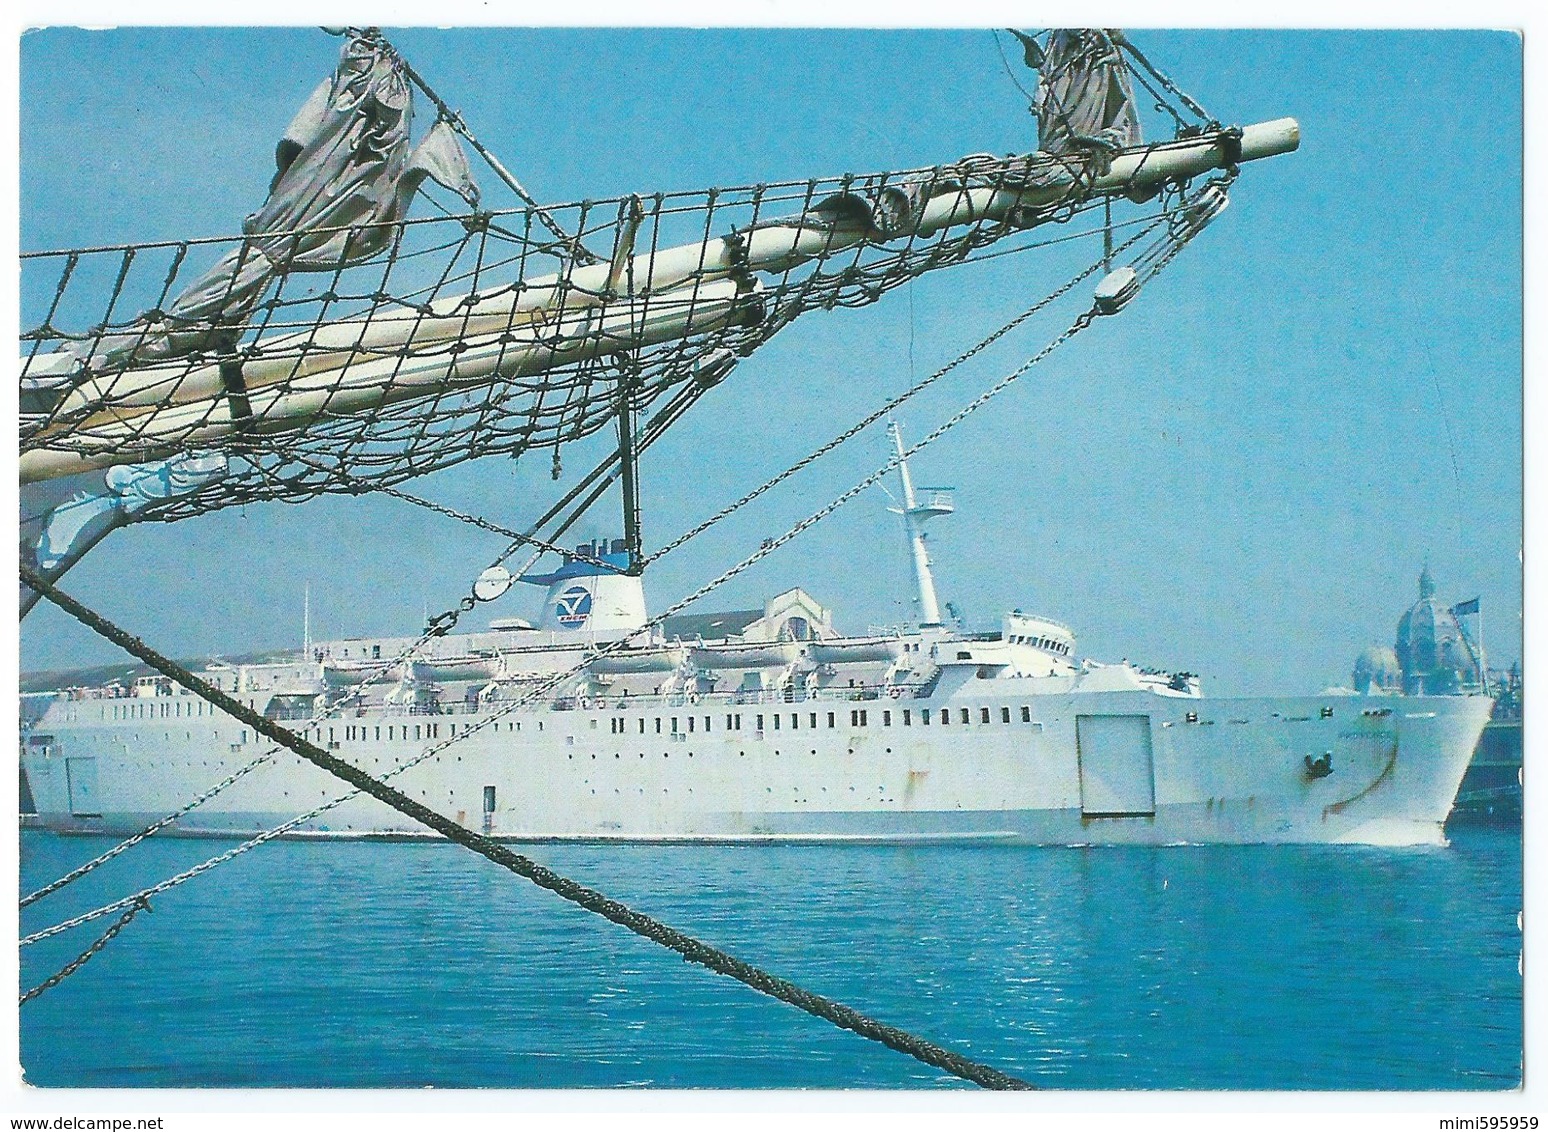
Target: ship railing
[[674, 701]]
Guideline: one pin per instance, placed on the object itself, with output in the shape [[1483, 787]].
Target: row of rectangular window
[[173, 710], [857, 718]]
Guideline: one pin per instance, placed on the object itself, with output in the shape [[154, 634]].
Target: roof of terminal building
[[710, 626]]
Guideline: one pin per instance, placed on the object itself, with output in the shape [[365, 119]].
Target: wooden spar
[[373, 380], [1136, 169], [369, 361]]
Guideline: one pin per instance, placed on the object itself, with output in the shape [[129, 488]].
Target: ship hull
[[1072, 769]]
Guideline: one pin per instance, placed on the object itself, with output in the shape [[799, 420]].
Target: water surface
[[401, 965]]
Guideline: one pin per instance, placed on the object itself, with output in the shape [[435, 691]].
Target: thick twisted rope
[[691, 949]]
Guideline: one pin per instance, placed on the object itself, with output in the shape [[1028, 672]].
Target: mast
[[629, 483], [306, 621], [915, 515]]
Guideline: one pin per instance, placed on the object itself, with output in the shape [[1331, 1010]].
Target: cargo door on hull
[[81, 774], [1117, 775]]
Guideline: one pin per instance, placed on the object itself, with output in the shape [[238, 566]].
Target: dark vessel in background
[[1491, 789]]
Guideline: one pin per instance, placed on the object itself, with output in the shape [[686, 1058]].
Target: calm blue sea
[[391, 965]]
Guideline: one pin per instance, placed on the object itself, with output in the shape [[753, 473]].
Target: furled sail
[[1085, 98], [345, 175]]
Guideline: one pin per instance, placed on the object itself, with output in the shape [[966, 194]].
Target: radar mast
[[915, 514]]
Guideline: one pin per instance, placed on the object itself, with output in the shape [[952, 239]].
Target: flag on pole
[[1462, 609]]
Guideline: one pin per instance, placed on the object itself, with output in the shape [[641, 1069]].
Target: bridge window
[[886, 719], [965, 716], [830, 720], [1005, 715], [983, 715], [907, 717], [1026, 714]]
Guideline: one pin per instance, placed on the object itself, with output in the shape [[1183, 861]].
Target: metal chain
[[155, 827], [140, 904], [1083, 321], [889, 406]]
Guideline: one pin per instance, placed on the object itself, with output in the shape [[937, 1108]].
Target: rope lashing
[[691, 949]]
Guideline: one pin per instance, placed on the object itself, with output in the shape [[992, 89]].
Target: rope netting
[[478, 334]]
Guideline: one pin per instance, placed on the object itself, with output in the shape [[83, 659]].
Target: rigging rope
[[691, 949]]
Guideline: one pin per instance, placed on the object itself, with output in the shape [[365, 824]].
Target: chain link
[[139, 905]]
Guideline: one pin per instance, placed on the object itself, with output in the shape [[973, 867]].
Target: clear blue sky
[[1241, 476]]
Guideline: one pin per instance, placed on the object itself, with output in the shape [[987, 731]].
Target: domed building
[[1377, 672], [1434, 654]]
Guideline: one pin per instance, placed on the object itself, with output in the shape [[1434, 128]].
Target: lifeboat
[[855, 650], [747, 654], [340, 673], [453, 668], [660, 658]]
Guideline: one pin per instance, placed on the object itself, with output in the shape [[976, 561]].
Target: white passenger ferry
[[755, 725]]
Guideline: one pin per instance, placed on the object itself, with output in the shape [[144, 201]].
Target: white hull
[[1029, 767]]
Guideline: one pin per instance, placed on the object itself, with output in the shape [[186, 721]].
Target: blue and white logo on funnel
[[573, 607]]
